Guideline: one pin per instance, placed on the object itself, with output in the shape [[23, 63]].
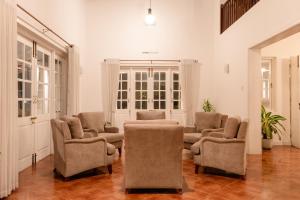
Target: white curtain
[[73, 81], [190, 84], [8, 101], [110, 83]]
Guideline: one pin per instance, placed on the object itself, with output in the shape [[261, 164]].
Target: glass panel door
[[43, 77], [25, 78], [141, 90]]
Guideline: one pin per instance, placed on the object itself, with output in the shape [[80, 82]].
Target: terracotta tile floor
[[275, 175]]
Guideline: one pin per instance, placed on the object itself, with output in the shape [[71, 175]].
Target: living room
[[131, 79]]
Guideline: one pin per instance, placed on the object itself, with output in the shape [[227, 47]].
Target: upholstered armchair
[[205, 122], [153, 156], [73, 156], [95, 121], [225, 151], [150, 115]]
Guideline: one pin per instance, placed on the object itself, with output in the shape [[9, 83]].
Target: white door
[[33, 102], [295, 102]]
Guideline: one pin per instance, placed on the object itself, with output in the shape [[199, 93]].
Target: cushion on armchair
[[75, 127], [92, 120], [206, 120], [232, 127], [110, 149]]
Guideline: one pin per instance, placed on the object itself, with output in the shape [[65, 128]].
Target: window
[[122, 102], [266, 82], [156, 88], [176, 91]]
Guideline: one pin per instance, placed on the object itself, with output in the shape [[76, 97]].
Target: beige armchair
[[205, 122], [96, 121], [150, 115], [73, 156], [153, 156], [225, 151]]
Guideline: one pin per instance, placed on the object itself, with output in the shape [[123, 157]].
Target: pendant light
[[149, 18]]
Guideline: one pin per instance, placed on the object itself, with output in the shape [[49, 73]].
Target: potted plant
[[207, 106], [270, 125]]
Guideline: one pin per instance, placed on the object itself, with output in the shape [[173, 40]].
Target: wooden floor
[[275, 175]]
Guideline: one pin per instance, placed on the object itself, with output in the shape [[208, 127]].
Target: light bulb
[[149, 18]]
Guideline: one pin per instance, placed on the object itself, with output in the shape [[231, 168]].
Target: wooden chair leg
[[120, 151], [109, 167], [196, 169]]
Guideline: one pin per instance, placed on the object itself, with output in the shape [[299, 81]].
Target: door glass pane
[[144, 105], [27, 105], [40, 75], [46, 76], [46, 60], [156, 105], [137, 76], [20, 50], [137, 105], [28, 53], [40, 58], [20, 108], [156, 76], [137, 95], [28, 72], [144, 76], [124, 104], [162, 105], [20, 89], [46, 91], [20, 70], [41, 91], [28, 90]]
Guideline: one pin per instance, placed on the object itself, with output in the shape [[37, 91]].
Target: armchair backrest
[[92, 120], [223, 120], [153, 152], [60, 133], [207, 120], [150, 115]]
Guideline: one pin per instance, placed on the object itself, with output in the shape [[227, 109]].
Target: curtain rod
[[196, 61], [48, 29]]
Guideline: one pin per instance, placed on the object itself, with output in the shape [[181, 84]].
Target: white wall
[[265, 19], [67, 18], [116, 29]]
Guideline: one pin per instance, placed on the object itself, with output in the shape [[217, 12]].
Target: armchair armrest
[[111, 129], [85, 140], [216, 134], [205, 132], [189, 129], [221, 140]]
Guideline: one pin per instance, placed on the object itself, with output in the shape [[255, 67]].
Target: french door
[[34, 72], [150, 90]]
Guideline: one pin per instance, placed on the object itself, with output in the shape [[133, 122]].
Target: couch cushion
[[92, 120], [232, 127], [110, 149], [191, 137], [242, 130], [206, 120], [75, 127], [112, 137], [158, 121], [150, 115]]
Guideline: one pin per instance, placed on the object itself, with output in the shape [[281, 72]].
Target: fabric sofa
[[150, 115], [226, 150], [205, 122], [73, 156], [96, 121], [153, 156]]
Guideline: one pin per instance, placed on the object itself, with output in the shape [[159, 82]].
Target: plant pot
[[267, 144]]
